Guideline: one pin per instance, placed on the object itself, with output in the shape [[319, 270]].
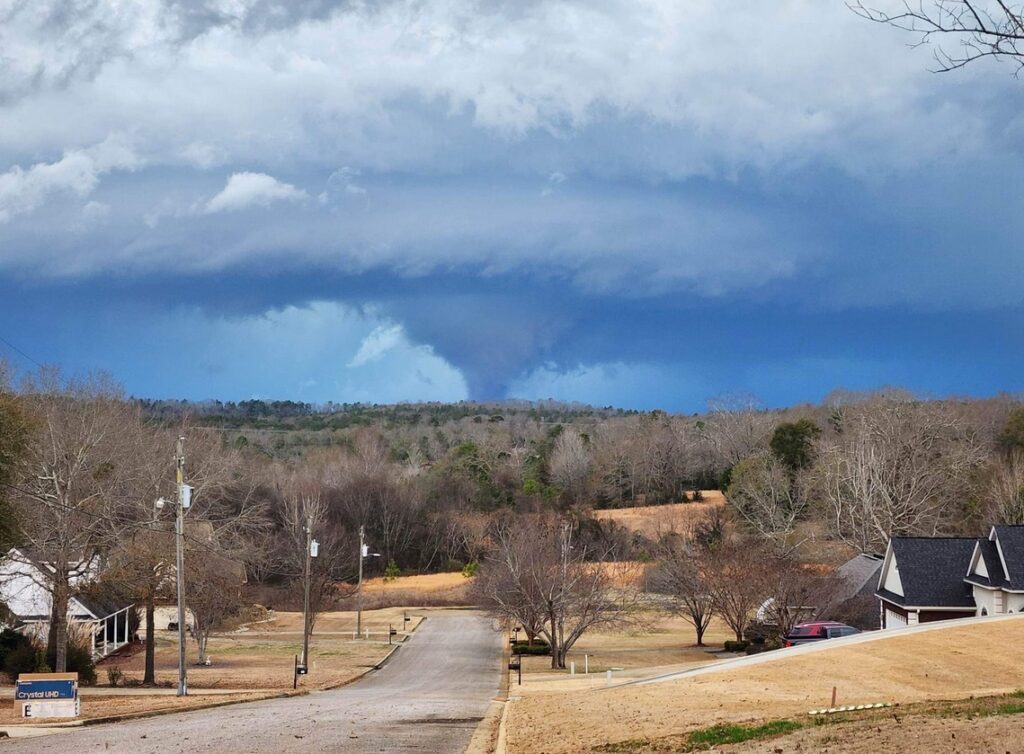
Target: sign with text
[[53, 708], [47, 694]]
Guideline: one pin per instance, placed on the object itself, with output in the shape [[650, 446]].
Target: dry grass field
[[962, 661], [659, 644], [261, 656], [650, 520]]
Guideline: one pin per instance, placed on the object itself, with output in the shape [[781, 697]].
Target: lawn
[[958, 662], [262, 655]]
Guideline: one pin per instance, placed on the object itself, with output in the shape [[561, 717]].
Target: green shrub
[[469, 570], [25, 658], [736, 646], [392, 572], [539, 647]]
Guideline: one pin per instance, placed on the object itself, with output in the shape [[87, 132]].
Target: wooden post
[[833, 696]]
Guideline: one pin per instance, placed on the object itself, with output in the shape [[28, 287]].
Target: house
[[996, 572], [926, 579], [23, 592], [853, 600]]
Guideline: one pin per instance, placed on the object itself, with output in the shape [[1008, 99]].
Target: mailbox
[[393, 631], [514, 663], [301, 670]]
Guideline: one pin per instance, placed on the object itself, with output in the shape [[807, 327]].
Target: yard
[[262, 655], [659, 644], [958, 662]]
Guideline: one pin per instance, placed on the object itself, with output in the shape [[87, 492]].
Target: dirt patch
[[902, 668]]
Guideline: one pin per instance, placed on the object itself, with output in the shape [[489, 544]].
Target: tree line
[[82, 464]]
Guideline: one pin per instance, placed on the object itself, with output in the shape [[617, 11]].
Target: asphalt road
[[428, 698]]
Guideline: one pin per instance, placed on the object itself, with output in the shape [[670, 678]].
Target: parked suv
[[805, 633]]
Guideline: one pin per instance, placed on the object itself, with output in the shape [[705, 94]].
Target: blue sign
[[38, 691]]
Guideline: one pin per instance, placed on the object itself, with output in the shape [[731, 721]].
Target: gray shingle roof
[[1011, 542], [932, 571], [990, 556], [858, 575]]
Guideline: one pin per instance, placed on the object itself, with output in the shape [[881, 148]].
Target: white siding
[[891, 581], [985, 598], [1014, 602]]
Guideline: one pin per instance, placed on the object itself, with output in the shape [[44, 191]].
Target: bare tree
[[679, 575], [794, 593], [213, 585], [768, 496], [303, 505], [1006, 488], [570, 465], [980, 28], [540, 569], [897, 467], [734, 576], [79, 469], [736, 427]]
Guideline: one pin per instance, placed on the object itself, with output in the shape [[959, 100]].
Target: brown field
[[971, 660], [660, 644], [650, 520], [262, 655]]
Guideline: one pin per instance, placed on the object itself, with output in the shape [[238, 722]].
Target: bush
[[698, 496], [25, 658], [736, 646], [79, 660], [114, 676], [392, 572], [760, 632], [539, 647], [469, 570]]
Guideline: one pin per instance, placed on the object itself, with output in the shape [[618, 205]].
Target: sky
[[638, 203]]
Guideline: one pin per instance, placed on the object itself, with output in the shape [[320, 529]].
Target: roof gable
[[1009, 542], [931, 571]]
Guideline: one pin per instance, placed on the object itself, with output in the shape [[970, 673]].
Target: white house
[[23, 592], [996, 572], [938, 578]]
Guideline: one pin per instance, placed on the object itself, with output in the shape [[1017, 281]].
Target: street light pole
[[359, 585], [179, 531], [305, 597]]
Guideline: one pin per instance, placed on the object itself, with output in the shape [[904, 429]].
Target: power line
[[17, 350]]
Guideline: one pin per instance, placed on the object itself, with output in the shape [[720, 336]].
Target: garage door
[[894, 620]]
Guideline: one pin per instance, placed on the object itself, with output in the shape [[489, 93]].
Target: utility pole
[[305, 597], [179, 531], [359, 584]]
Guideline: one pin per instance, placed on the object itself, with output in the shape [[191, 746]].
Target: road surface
[[428, 698]]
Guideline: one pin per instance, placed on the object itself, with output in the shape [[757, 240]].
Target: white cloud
[[383, 339], [77, 172], [245, 190]]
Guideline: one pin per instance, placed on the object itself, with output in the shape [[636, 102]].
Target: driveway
[[428, 698]]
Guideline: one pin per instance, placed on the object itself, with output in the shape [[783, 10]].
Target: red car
[[805, 633]]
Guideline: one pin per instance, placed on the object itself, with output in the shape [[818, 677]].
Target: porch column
[[92, 640], [912, 618]]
